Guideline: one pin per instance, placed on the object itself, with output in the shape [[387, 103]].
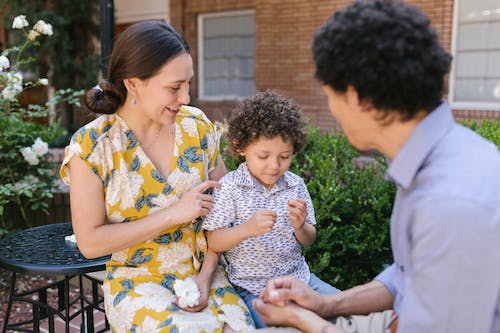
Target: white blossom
[[44, 81], [44, 28], [33, 34], [4, 63], [187, 292], [40, 147], [11, 91], [19, 22], [29, 155]]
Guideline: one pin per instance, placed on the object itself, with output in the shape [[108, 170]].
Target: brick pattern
[[283, 60]]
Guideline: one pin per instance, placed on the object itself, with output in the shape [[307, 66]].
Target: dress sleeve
[[82, 144], [210, 134], [223, 212]]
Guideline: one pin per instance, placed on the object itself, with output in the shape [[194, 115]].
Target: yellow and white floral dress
[[138, 290]]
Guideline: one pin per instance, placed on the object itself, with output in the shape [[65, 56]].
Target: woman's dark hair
[[139, 51], [265, 114], [388, 52]]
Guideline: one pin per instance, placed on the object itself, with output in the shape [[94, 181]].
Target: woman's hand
[[193, 203], [204, 289]]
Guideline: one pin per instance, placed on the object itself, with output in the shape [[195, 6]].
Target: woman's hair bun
[[104, 98]]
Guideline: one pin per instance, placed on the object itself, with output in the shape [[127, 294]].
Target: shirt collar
[[404, 167], [244, 178]]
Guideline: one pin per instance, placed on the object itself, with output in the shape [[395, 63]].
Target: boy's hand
[[261, 223], [297, 212]]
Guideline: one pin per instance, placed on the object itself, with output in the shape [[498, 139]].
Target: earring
[[133, 101]]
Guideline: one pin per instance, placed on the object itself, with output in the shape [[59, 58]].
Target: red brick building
[[283, 30]]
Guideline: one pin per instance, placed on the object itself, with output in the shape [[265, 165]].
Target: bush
[[27, 176], [490, 130], [353, 204]]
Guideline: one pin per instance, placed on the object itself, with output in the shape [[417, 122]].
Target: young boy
[[263, 214]]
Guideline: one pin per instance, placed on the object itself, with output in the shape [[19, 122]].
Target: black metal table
[[44, 250]]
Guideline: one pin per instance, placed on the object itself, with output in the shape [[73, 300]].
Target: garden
[[352, 200]]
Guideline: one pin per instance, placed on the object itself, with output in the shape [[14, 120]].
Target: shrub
[[490, 130], [27, 177], [352, 205]]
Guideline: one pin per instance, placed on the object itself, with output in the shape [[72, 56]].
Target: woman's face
[[161, 96]]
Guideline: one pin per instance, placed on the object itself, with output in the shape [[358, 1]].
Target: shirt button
[[402, 268]]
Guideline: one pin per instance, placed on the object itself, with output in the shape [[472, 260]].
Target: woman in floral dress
[[139, 176]]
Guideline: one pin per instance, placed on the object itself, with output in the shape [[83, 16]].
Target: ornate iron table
[[44, 250]]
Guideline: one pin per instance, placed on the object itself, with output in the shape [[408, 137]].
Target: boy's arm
[[221, 240], [306, 234]]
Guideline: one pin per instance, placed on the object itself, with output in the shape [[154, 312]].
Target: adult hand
[[297, 212], [261, 223], [280, 291], [194, 203], [288, 315], [204, 289]]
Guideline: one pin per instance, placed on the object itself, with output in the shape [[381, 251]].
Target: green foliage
[[69, 56], [27, 177], [353, 204], [490, 130]]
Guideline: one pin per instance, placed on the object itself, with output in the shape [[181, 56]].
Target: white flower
[[32, 35], [43, 81], [29, 155], [187, 292], [40, 147], [19, 22], [4, 63], [10, 92], [44, 28]]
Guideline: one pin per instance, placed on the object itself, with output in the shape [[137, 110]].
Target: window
[[475, 77], [226, 55]]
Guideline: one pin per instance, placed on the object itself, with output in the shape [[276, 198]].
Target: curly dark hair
[[387, 51], [265, 114]]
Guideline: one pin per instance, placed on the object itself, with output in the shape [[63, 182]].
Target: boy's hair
[[266, 114], [387, 51]]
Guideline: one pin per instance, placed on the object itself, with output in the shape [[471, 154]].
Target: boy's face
[[268, 159]]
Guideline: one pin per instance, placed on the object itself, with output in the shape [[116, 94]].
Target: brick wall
[[283, 58]]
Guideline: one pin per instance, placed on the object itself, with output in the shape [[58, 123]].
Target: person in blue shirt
[[383, 71], [263, 214]]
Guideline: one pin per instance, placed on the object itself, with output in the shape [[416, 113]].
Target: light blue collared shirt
[[445, 229]]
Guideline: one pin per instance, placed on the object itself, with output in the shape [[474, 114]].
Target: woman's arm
[[96, 238]]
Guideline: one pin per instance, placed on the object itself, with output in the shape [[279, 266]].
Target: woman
[[139, 176]]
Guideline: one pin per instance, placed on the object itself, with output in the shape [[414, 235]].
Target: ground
[[22, 311]]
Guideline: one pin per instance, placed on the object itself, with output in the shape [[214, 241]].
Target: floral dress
[[138, 290]]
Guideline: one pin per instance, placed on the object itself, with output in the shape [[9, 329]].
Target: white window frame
[[201, 66], [487, 106]]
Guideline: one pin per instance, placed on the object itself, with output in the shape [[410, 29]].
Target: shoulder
[[230, 179], [463, 166], [93, 131], [293, 180], [191, 113]]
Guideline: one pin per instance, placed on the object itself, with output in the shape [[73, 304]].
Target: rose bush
[[27, 176]]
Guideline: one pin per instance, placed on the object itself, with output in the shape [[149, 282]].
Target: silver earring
[[133, 101]]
